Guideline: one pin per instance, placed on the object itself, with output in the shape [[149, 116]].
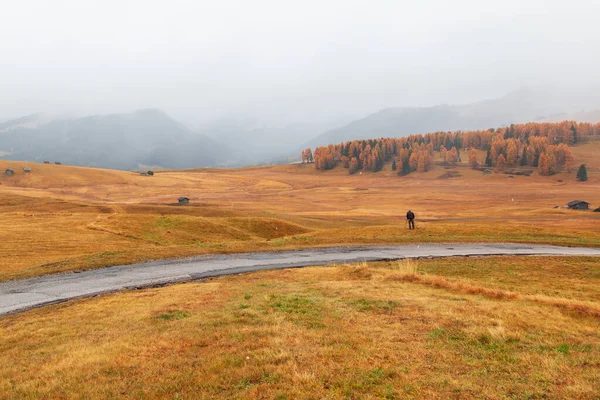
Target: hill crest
[[118, 141]]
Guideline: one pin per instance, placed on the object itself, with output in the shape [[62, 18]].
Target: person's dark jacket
[[410, 215]]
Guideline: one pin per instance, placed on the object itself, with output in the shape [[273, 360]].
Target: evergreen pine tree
[[488, 158], [582, 173], [536, 160], [394, 165], [405, 167], [523, 161]]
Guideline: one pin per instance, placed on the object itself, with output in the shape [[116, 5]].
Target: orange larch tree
[[473, 158], [500, 163]]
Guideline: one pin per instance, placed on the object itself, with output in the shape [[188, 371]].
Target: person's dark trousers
[[411, 224]]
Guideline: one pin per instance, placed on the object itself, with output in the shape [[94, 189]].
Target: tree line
[[544, 146]]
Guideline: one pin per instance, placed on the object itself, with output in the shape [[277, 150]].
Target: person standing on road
[[410, 217]]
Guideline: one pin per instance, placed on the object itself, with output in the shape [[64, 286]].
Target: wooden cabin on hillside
[[578, 205], [27, 170], [9, 172]]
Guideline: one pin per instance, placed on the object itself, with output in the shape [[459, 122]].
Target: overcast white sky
[[285, 60]]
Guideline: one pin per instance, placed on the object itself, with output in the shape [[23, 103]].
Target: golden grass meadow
[[61, 218], [499, 327]]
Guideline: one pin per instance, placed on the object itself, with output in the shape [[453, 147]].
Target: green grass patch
[[301, 310], [292, 304], [377, 305], [563, 348], [165, 222], [173, 315]]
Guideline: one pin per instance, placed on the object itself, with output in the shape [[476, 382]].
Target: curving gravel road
[[21, 295]]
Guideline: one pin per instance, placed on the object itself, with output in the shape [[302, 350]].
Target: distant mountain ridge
[[592, 116], [118, 141], [151, 138], [28, 121], [525, 105]]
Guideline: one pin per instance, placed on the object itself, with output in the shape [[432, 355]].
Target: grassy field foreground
[[501, 327]]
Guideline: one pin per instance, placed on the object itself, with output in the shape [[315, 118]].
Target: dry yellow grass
[[522, 327], [588, 155], [346, 331], [61, 218]]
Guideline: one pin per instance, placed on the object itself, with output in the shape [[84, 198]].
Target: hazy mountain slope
[[592, 116], [121, 141], [520, 106], [252, 142], [28, 121]]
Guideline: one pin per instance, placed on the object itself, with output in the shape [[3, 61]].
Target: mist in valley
[[133, 84]]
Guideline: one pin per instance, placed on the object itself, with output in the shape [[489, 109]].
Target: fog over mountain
[[143, 139], [524, 105], [266, 77], [151, 139]]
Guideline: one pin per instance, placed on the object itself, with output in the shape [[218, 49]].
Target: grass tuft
[[173, 315], [440, 282], [406, 267], [378, 305]]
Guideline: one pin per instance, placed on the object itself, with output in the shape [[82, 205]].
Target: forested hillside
[[544, 146]]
